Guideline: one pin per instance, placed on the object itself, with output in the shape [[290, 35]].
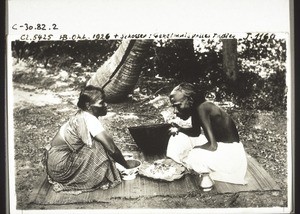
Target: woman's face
[[99, 107]]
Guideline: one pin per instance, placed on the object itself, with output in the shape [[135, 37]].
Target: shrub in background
[[261, 79]]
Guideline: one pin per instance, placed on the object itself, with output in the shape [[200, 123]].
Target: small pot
[[206, 183]]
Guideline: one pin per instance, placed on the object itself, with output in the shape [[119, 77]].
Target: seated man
[[218, 151]]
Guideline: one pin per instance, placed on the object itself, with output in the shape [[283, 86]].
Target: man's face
[[182, 107]]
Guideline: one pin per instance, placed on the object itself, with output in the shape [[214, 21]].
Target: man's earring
[[88, 106]]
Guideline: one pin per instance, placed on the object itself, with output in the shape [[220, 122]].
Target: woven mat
[[258, 180]]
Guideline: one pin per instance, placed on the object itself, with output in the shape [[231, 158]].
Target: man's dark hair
[[192, 92]]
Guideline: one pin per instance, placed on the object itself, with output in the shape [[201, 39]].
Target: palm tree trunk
[[119, 74]]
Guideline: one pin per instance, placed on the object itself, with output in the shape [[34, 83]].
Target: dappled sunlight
[[29, 98]]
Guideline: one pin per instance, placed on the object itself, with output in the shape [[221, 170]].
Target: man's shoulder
[[208, 107], [207, 104]]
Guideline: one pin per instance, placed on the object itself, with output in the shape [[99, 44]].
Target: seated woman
[[81, 156], [217, 152]]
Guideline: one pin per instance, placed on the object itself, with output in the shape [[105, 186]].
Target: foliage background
[[261, 77]]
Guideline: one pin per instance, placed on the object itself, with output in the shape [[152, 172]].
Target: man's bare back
[[217, 125]]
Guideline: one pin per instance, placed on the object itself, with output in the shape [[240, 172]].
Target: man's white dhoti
[[228, 163]]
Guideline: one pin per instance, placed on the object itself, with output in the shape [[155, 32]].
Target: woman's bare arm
[[111, 148]]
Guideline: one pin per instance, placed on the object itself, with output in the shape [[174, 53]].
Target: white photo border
[[132, 19]]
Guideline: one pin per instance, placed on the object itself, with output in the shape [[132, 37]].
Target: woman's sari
[[82, 164]]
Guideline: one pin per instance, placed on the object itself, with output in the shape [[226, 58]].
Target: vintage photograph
[[160, 123]]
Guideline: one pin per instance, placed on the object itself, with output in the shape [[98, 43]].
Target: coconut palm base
[[119, 74]]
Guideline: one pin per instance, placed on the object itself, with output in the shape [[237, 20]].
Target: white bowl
[[130, 173]]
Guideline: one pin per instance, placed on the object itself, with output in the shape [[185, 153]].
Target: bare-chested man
[[218, 150]]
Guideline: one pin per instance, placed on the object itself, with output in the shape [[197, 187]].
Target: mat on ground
[[258, 180]]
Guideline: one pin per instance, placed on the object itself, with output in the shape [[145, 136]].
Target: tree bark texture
[[119, 74], [230, 58]]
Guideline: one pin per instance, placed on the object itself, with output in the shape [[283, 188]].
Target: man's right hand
[[173, 131], [207, 146]]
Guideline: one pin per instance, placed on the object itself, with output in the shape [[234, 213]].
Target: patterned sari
[[82, 164]]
